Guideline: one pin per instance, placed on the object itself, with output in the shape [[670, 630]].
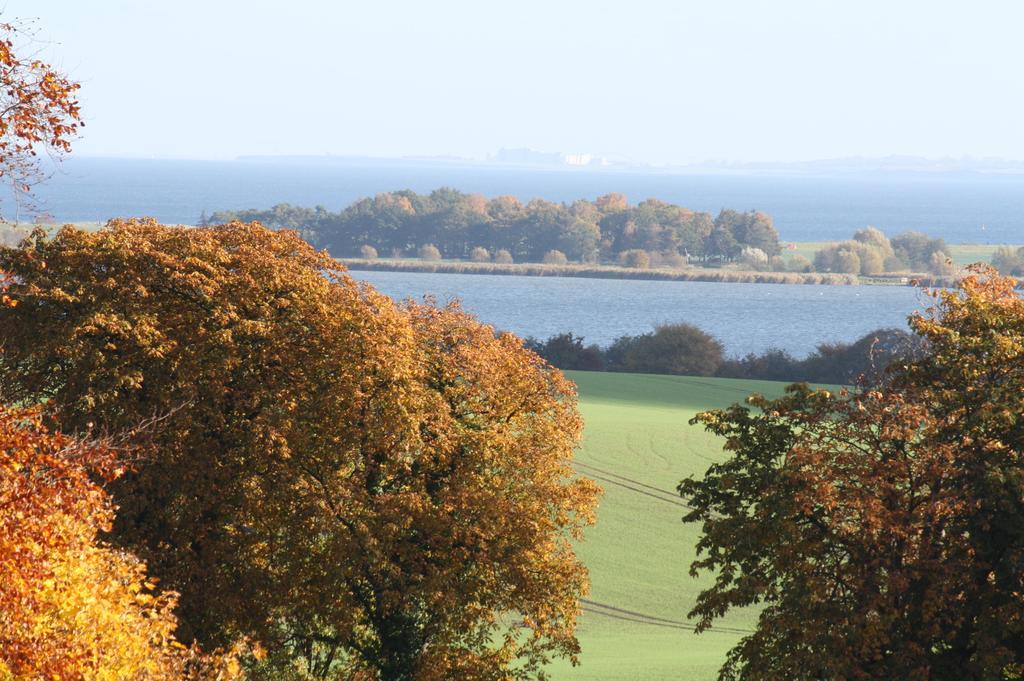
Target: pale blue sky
[[652, 81]]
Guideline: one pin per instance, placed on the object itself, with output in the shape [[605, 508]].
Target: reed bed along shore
[[616, 272]]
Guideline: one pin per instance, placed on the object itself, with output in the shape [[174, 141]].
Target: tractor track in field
[[613, 612], [632, 485]]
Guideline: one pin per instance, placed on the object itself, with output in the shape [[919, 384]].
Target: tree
[[680, 349], [754, 258], [356, 485], [70, 606], [479, 254], [874, 238], [503, 257], [636, 258], [554, 257], [367, 252], [1009, 261], [879, 530], [799, 263], [916, 249], [38, 112], [567, 351], [429, 252]]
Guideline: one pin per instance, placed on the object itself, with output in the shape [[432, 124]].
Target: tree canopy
[[71, 607], [584, 231], [355, 484], [879, 529]]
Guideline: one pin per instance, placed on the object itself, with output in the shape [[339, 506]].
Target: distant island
[[450, 231]]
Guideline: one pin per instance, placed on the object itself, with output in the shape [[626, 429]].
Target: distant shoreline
[[653, 274]]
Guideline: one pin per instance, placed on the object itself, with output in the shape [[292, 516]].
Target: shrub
[[429, 252], [680, 349], [479, 254], [1009, 260], [566, 351], [636, 258], [555, 258], [675, 261], [799, 263], [753, 258], [503, 257], [777, 263], [942, 264], [367, 252]]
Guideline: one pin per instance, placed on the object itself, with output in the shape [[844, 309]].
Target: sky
[[648, 81]]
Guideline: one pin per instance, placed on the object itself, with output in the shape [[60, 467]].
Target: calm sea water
[[746, 317], [961, 209]]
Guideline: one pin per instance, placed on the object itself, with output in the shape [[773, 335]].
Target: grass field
[[962, 254], [638, 446]]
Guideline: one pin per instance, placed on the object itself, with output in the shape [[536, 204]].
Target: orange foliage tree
[[70, 607], [38, 111], [360, 485], [880, 530]]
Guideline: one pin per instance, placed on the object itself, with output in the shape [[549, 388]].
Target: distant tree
[[916, 249], [722, 244], [772, 365], [874, 238], [941, 263], [674, 261], [753, 228], [554, 257], [680, 349], [754, 258], [799, 263], [567, 351], [367, 252], [612, 203], [842, 258], [429, 252], [479, 254], [1009, 261], [503, 257], [636, 258]]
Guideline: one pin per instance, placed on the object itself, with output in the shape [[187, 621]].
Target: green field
[[962, 254], [638, 446]]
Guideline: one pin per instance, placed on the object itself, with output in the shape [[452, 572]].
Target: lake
[[959, 208], [745, 317]]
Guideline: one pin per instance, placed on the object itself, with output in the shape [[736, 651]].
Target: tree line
[[870, 252], [683, 349], [452, 224]]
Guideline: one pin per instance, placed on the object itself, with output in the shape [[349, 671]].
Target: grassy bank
[[615, 272], [638, 446], [596, 271]]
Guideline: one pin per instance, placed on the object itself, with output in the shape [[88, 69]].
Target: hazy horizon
[[654, 82]]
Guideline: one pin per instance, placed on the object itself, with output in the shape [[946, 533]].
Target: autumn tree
[[879, 530], [72, 607], [39, 112], [362, 487]]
